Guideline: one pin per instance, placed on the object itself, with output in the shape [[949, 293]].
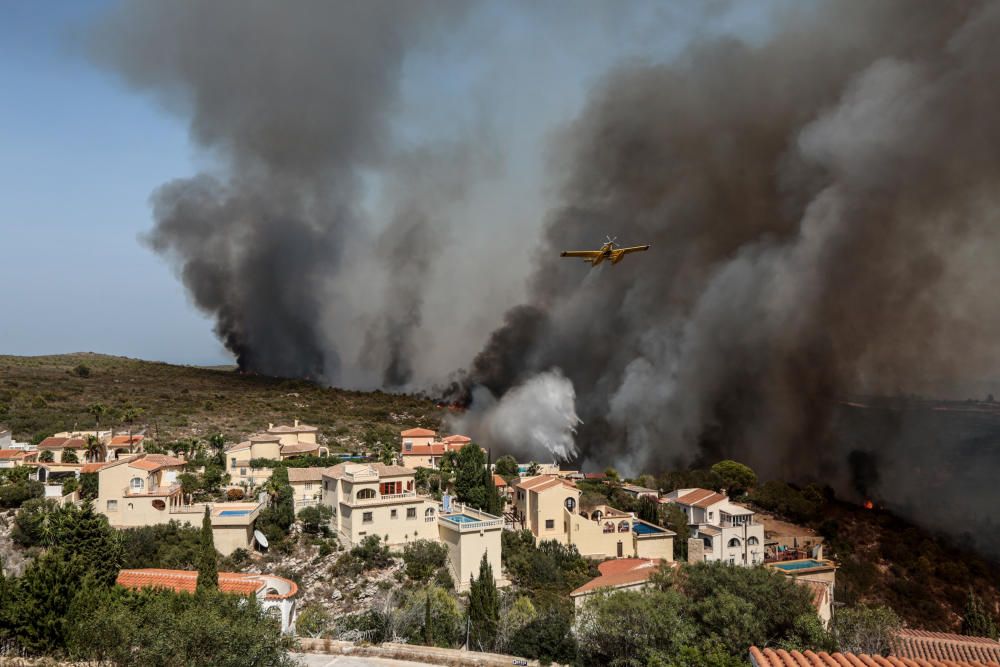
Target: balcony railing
[[388, 497], [361, 475]]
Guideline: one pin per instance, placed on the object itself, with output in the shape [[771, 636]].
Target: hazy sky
[[80, 155]]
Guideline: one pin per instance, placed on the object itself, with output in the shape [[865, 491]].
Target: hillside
[[42, 395]]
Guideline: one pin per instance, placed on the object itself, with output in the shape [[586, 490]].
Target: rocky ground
[[13, 558]]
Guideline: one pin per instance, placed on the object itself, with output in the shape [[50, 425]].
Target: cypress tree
[[428, 628], [484, 608], [977, 621], [208, 566]]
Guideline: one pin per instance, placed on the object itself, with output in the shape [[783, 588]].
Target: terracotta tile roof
[[11, 454], [417, 433], [186, 580], [265, 437], [619, 573], [701, 498], [306, 474], [91, 467], [456, 440], [62, 443], [594, 475], [124, 439], [433, 449], [499, 481], [238, 446], [392, 471], [782, 658], [634, 488], [299, 448], [542, 482], [925, 645], [153, 462]]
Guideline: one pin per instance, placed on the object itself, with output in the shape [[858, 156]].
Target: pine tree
[[977, 621], [484, 608], [428, 628], [208, 566]]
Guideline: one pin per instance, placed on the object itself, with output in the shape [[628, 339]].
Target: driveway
[[321, 660]]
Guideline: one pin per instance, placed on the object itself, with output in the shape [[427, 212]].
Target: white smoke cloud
[[536, 419]]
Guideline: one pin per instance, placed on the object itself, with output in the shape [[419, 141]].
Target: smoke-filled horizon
[[821, 203]]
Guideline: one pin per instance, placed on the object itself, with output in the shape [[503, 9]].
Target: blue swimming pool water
[[234, 512], [799, 565], [644, 529], [461, 518]]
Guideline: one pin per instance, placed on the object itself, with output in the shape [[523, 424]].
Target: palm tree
[[93, 448], [47, 456], [130, 416], [98, 410]]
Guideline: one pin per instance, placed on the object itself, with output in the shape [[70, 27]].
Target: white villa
[[721, 530], [277, 443]]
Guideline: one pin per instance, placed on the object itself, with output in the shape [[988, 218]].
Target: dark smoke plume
[[823, 214], [295, 103]]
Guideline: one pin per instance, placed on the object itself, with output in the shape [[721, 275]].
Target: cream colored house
[[144, 490], [420, 449], [624, 574], [721, 530], [377, 499], [549, 506], [278, 443], [307, 486], [58, 446], [11, 458]]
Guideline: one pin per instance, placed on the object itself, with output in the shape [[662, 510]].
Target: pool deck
[[803, 566]]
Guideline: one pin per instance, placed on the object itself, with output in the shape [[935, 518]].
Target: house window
[[366, 517], [550, 524], [710, 516], [232, 462], [137, 483], [309, 486], [243, 472], [734, 543], [326, 485], [753, 541], [623, 527], [429, 511], [408, 446], [112, 505], [393, 514], [365, 494], [411, 512], [334, 510], [570, 504]]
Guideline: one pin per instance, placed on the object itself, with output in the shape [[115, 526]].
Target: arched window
[[609, 527], [623, 526], [365, 494], [753, 541], [735, 542], [137, 483], [570, 504], [159, 505], [596, 516], [429, 511]]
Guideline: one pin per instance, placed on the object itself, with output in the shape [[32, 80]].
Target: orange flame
[[869, 505]]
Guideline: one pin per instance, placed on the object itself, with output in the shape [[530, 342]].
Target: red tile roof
[[594, 475], [186, 581], [314, 474], [701, 498], [91, 467], [124, 439], [499, 481], [456, 440], [620, 573], [543, 482], [782, 658], [62, 443], [152, 462], [433, 449], [925, 645], [418, 433], [10, 454]]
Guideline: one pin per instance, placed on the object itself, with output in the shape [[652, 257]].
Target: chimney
[[296, 422], [722, 492], [269, 426]]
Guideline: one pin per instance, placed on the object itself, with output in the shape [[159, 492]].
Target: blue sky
[[80, 155]]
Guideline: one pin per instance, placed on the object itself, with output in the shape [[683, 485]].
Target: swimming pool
[[645, 529], [462, 518], [234, 512], [799, 564]]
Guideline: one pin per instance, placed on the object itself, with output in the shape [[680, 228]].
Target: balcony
[[387, 498], [156, 491], [468, 520]]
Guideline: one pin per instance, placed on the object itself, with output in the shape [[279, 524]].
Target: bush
[[316, 519], [82, 371], [372, 554], [170, 545], [423, 558], [312, 621], [16, 494], [235, 494]]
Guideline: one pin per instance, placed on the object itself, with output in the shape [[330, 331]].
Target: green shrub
[[423, 558]]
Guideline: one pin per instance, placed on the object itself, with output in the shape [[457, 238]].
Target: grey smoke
[[823, 210]]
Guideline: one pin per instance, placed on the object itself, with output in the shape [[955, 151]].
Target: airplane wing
[[635, 248], [589, 254]]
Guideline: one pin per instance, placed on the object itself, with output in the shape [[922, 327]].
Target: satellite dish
[[261, 540]]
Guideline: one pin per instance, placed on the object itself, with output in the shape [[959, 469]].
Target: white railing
[[361, 475], [388, 497]]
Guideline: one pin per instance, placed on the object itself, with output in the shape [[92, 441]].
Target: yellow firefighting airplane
[[609, 251]]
